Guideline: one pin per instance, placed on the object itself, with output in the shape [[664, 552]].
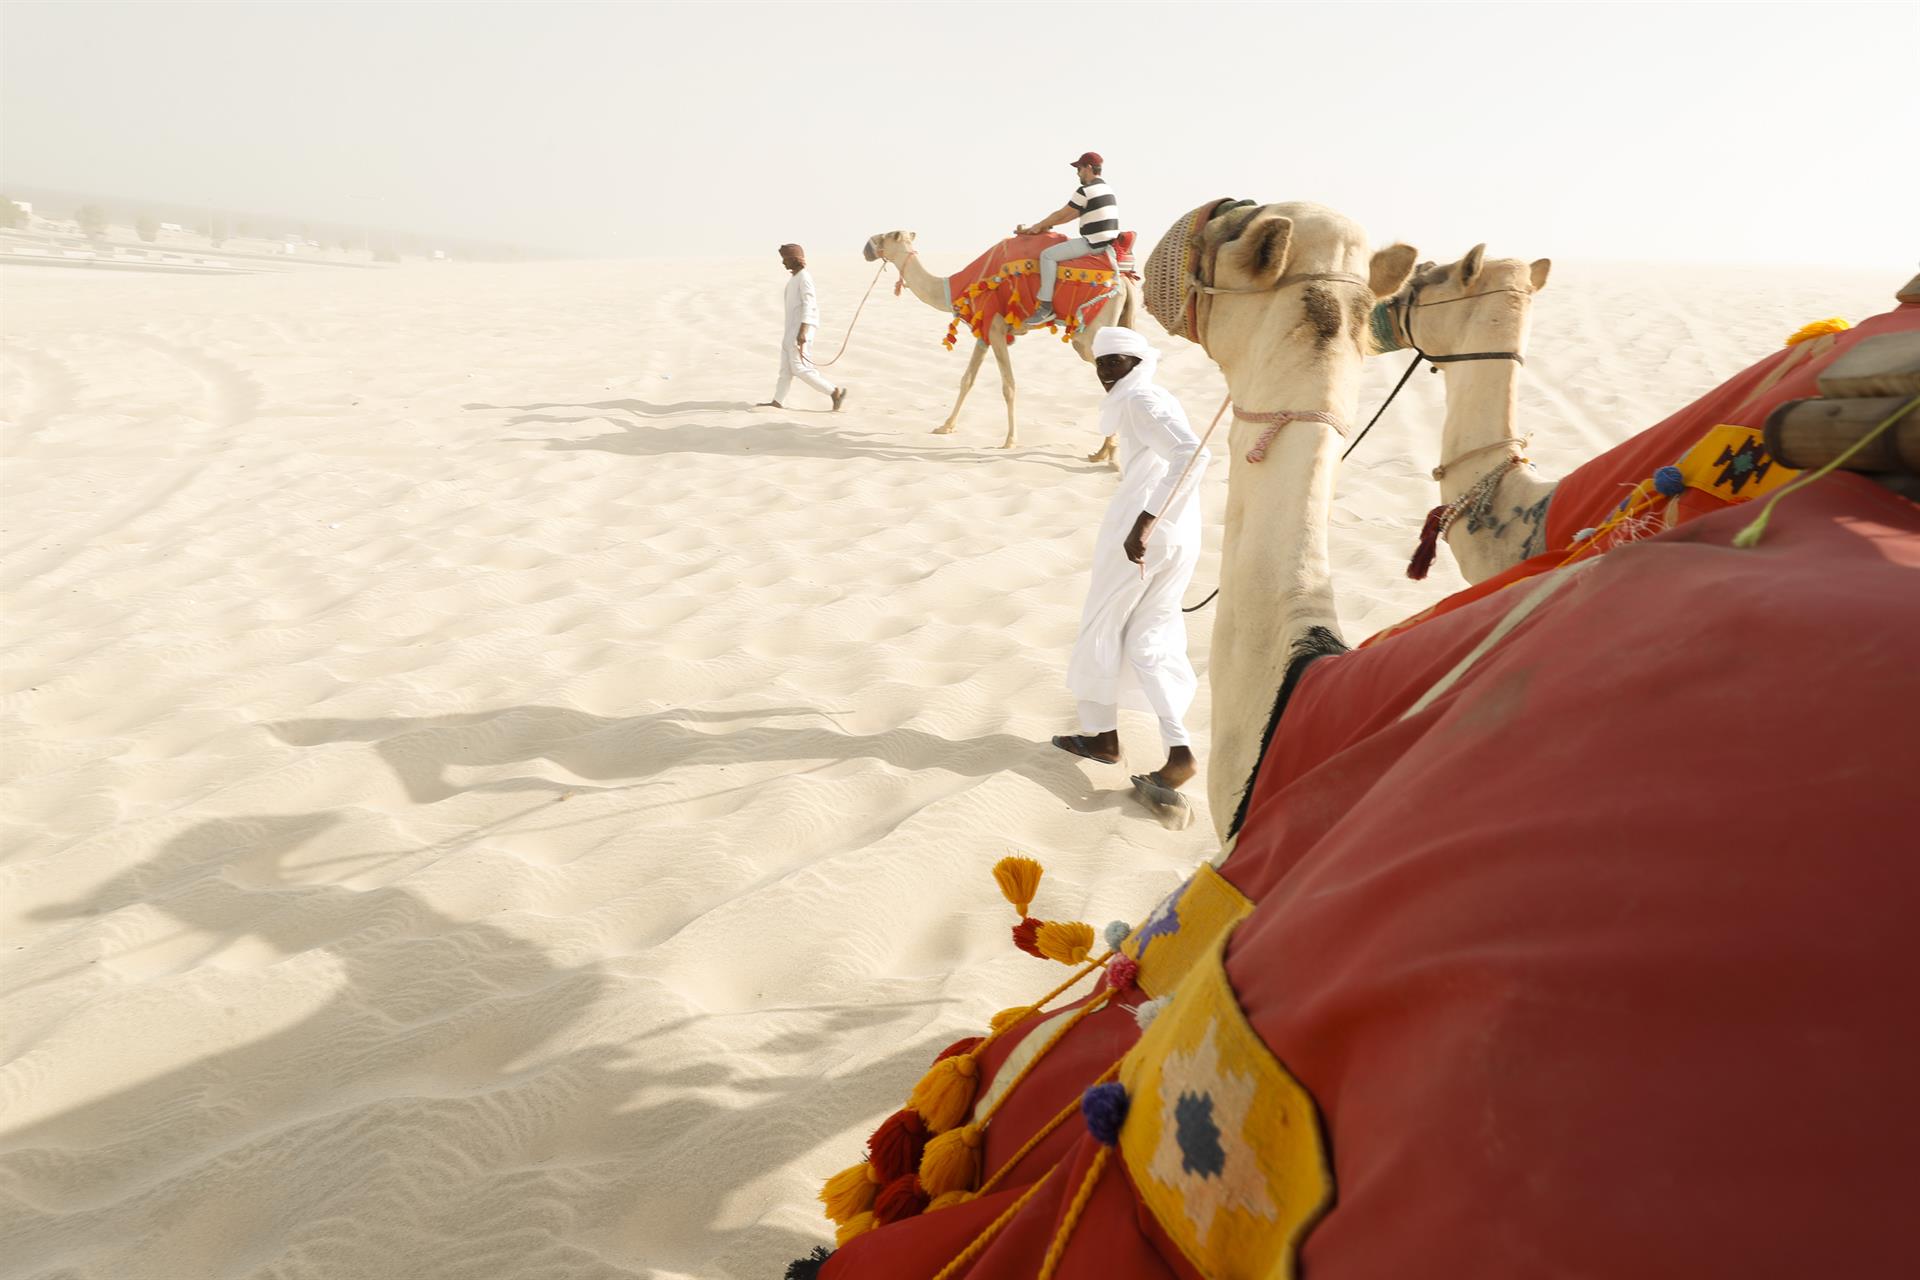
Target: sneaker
[[1043, 316]]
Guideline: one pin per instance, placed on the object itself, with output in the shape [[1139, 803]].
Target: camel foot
[[1162, 801], [1007, 443], [944, 431]]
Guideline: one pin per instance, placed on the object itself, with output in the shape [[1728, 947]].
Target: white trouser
[[796, 364], [1098, 717]]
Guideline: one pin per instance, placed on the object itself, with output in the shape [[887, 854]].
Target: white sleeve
[[809, 303], [1164, 429]]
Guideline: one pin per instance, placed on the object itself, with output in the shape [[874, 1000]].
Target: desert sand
[[483, 801]]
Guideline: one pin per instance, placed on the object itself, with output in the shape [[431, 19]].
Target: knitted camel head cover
[[1174, 264]]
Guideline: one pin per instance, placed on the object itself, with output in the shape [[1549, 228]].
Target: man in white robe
[[796, 345], [1133, 639]]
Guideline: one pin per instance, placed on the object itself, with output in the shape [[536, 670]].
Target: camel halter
[[1405, 310]]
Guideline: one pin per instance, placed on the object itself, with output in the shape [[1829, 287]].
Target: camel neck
[[923, 284], [1482, 406]]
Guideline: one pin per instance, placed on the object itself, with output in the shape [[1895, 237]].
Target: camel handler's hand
[[1137, 540]]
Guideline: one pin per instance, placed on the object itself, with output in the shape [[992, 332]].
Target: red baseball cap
[[1090, 157]]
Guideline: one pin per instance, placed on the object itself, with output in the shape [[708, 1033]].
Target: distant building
[[439, 255], [171, 226]]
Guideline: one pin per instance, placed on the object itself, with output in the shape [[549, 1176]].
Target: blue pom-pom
[[1669, 481], [1105, 1108], [1116, 933]]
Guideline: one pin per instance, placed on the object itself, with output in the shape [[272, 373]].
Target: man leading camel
[[1132, 625], [803, 317], [1098, 210]]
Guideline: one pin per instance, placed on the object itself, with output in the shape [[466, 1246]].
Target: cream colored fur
[[1276, 351], [1477, 304]]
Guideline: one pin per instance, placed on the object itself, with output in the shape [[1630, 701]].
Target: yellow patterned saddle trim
[[1184, 928], [1222, 1142]]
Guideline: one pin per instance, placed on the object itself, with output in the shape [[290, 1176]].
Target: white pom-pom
[[1116, 933], [1144, 1014]]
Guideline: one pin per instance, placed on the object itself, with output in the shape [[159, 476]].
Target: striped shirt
[[1099, 212]]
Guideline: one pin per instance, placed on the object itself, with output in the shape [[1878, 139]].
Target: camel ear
[[1539, 271], [1391, 268], [1470, 265], [1259, 251]]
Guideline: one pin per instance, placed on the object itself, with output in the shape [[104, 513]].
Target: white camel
[[896, 247], [1471, 319], [1287, 297]]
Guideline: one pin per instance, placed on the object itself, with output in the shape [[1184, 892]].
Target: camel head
[[1475, 304], [894, 246], [1261, 321]]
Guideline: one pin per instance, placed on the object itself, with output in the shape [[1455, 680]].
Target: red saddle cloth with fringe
[[1006, 280], [1572, 930]]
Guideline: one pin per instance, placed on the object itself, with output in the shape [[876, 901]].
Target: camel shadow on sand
[[620, 752], [763, 435], [451, 1063]]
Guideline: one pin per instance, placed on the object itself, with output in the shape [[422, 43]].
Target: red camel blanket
[[1006, 280], [1568, 933]]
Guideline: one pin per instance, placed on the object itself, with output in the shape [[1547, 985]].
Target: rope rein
[[856, 319]]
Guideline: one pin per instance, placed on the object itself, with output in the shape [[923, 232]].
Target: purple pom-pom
[[1105, 1108], [1670, 482]]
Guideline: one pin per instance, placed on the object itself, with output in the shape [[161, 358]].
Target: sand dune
[[481, 800]]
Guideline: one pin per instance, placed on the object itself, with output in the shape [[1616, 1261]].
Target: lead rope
[[856, 319]]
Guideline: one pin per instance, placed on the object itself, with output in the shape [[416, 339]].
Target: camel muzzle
[[867, 250]]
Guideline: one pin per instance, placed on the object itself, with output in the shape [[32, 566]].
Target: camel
[[1290, 341], [896, 247], [1478, 307]]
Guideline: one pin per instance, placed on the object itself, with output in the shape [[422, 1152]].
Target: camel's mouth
[[868, 251]]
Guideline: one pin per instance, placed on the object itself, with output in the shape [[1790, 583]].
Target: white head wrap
[[1115, 341]]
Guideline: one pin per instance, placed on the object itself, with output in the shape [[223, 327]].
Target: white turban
[[1116, 341]]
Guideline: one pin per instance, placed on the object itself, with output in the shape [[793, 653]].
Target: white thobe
[[1132, 648], [803, 307]]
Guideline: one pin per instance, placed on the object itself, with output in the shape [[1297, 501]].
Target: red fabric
[[1016, 291], [1600, 964]]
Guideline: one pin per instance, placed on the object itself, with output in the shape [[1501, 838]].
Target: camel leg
[[1004, 357], [966, 384], [1083, 347]]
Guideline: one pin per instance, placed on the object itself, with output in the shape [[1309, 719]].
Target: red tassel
[[959, 1047], [1429, 545], [901, 1198], [1023, 938], [896, 1146]]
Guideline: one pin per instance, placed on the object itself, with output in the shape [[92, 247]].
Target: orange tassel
[[1008, 1017], [951, 1198], [850, 1192], [951, 1161], [945, 1094], [1019, 880], [1069, 943], [858, 1225]]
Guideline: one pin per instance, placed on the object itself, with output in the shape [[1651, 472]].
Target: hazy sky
[[1721, 132]]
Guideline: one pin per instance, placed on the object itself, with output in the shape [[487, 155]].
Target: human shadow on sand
[[760, 434], [623, 751], [459, 1102]]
